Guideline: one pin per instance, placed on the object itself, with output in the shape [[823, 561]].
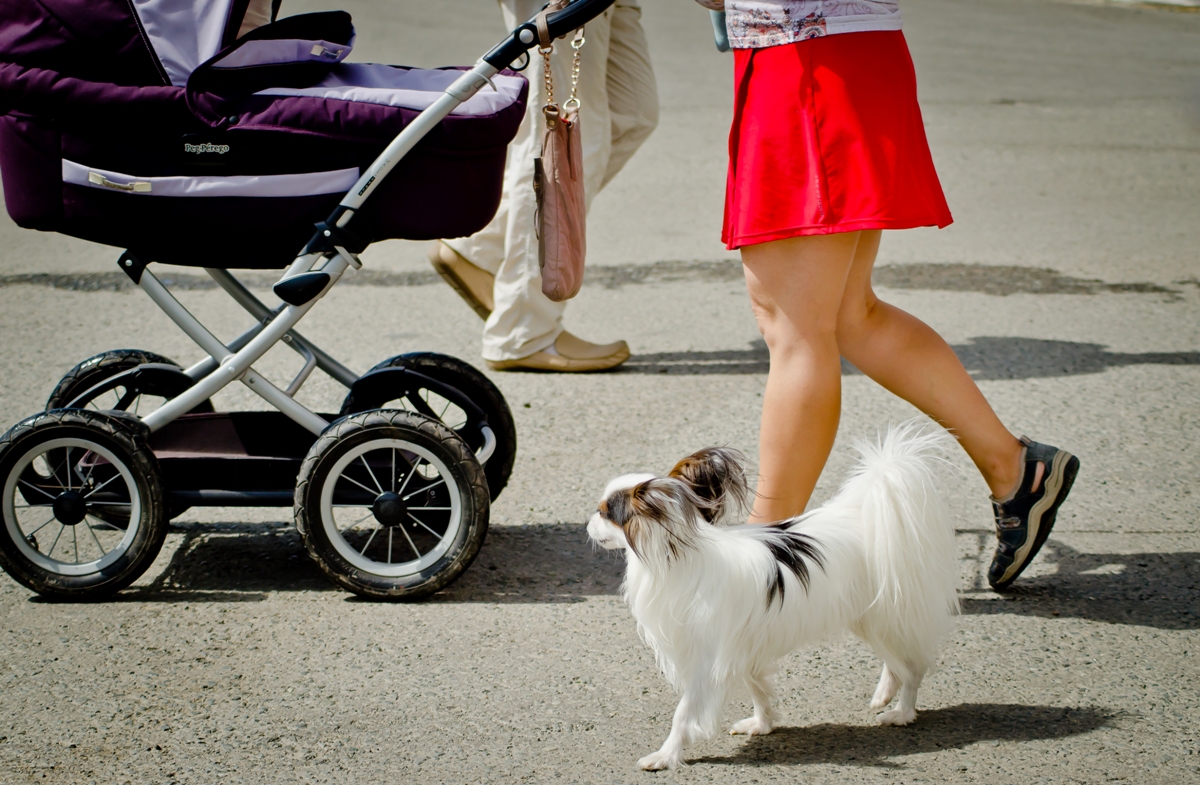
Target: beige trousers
[[619, 109]]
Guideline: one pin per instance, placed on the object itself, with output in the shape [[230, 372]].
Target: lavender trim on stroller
[[154, 126]]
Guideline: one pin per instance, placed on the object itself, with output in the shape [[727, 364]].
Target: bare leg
[[796, 287], [909, 359]]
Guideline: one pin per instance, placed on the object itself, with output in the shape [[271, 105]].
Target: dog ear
[[651, 514], [715, 475]]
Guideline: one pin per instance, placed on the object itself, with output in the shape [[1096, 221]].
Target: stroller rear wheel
[[84, 385], [94, 385], [472, 383], [83, 505], [392, 504]]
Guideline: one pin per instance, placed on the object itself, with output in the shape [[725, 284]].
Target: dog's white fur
[[884, 568]]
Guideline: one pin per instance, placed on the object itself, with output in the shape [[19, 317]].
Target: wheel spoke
[[107, 504], [61, 528], [30, 506], [393, 484], [423, 526], [391, 529], [101, 485], [44, 525], [410, 542], [67, 467], [91, 469], [374, 479], [351, 526], [411, 471], [368, 545], [47, 494], [431, 508], [75, 537], [427, 487], [103, 552], [359, 484]]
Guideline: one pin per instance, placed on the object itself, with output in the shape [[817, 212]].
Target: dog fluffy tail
[[908, 539]]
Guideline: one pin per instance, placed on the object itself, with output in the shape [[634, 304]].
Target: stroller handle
[[525, 37], [332, 235]]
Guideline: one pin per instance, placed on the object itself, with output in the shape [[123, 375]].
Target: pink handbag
[[561, 220]]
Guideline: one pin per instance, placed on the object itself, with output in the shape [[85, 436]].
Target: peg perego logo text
[[220, 149]]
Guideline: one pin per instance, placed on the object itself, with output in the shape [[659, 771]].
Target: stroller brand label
[[205, 147]]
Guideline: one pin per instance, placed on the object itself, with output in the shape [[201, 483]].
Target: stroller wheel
[[83, 506], [468, 380], [83, 387], [392, 504], [93, 385]]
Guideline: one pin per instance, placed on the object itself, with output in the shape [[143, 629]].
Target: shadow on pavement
[[244, 562], [935, 730], [986, 358], [1146, 589]]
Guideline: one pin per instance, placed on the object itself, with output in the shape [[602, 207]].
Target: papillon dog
[[720, 604]]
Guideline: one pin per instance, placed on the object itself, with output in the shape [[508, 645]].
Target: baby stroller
[[167, 128]]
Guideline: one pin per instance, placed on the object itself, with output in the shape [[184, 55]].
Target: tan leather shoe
[[574, 355], [472, 283]]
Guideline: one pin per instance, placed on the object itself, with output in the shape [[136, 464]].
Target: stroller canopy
[[137, 122]]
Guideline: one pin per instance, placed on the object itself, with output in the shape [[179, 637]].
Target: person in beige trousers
[[496, 271]]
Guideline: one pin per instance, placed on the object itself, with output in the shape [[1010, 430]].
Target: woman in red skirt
[[827, 150]]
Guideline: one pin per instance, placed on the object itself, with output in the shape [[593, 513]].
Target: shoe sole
[[572, 366], [1062, 477], [460, 286]]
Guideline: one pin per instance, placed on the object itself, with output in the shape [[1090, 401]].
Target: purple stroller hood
[[151, 125]]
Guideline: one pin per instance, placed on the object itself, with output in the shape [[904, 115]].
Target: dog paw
[[897, 717], [658, 761], [751, 726]]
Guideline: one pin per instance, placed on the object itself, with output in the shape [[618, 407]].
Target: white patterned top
[[757, 24]]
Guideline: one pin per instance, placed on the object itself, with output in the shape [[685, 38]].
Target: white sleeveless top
[[756, 24]]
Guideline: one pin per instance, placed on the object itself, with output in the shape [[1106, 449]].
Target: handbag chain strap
[[545, 49]]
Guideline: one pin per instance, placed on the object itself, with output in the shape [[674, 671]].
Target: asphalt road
[[1068, 140]]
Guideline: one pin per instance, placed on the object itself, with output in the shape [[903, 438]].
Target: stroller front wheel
[[392, 504], [83, 505]]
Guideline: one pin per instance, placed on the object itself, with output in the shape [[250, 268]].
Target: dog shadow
[[1159, 590], [935, 730], [222, 562]]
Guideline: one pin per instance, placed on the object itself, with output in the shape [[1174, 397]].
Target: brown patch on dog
[[709, 473]]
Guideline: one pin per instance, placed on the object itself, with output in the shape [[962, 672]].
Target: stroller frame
[[119, 442], [325, 259]]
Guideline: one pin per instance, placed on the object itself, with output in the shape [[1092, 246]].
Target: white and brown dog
[[719, 605]]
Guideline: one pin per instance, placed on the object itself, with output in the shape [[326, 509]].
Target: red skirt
[[827, 137]]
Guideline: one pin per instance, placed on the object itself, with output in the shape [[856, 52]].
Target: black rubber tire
[[127, 441], [420, 430], [105, 365], [472, 383]]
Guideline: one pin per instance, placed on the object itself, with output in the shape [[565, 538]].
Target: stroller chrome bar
[[236, 366], [310, 363], [183, 317], [245, 298]]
